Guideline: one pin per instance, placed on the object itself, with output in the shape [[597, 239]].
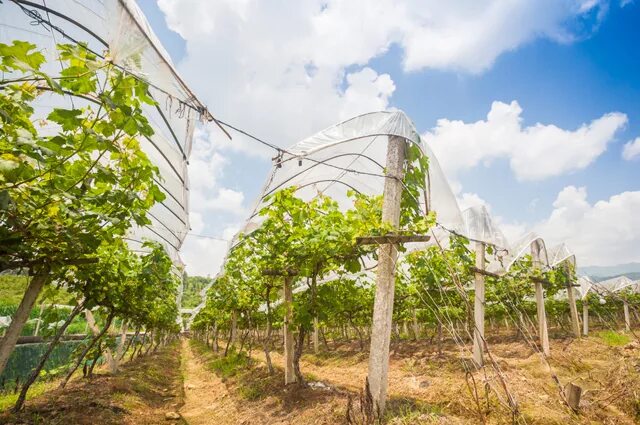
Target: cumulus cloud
[[283, 70], [631, 150], [296, 67], [534, 153], [604, 233]]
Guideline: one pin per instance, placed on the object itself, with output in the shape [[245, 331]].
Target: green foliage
[[193, 285], [64, 192], [70, 193]]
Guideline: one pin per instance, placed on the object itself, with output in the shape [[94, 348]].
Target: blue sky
[[572, 66]]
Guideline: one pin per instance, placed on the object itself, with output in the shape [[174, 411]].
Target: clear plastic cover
[[119, 27]]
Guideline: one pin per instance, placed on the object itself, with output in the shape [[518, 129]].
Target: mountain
[[609, 271]]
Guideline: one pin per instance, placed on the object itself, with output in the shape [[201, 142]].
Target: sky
[[532, 107]]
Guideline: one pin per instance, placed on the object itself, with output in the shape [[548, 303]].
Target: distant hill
[[610, 271], [632, 276]]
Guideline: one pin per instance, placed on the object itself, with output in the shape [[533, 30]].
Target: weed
[[613, 338]]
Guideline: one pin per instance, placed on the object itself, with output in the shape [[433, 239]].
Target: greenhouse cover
[[118, 31]]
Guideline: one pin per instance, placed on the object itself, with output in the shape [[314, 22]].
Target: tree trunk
[[439, 338], [226, 349], [86, 350], [135, 336], [8, 342], [120, 348], [36, 371], [94, 362], [359, 333], [91, 321], [267, 340], [215, 337], [138, 346], [297, 354]]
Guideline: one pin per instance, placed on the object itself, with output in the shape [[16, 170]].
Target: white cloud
[[203, 256], [534, 152], [604, 233], [282, 70], [282, 64], [631, 150]]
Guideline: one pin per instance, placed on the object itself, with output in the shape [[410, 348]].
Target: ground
[[142, 393], [424, 387]]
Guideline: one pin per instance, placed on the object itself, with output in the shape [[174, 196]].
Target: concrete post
[[385, 279], [478, 308], [289, 375], [543, 332], [573, 309], [585, 318], [627, 317], [416, 326]]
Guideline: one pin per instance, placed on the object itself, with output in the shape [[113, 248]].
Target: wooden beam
[[483, 272], [394, 239]]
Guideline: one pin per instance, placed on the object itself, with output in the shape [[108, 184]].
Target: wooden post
[[543, 332], [234, 327], [573, 393], [35, 333], [573, 309], [585, 317], [316, 339], [416, 326], [385, 278], [289, 375], [627, 317], [478, 308]]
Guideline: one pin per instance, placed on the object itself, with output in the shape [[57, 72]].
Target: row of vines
[[316, 247], [73, 182]]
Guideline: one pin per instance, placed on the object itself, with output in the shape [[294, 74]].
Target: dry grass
[[141, 393]]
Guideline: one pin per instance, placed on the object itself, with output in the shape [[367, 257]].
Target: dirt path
[[207, 399]]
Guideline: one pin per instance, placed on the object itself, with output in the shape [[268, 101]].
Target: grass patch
[[613, 338], [229, 365], [8, 400], [406, 411]]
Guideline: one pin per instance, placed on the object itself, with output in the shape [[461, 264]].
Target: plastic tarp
[[617, 284], [119, 27], [352, 155]]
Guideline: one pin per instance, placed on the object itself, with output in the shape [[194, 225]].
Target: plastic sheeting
[[352, 155], [617, 284], [119, 27]]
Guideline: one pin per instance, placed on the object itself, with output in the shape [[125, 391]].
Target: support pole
[[39, 322], [478, 310], [416, 326], [385, 278], [316, 339], [627, 317], [234, 327], [585, 317], [543, 332], [573, 309], [289, 375]]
